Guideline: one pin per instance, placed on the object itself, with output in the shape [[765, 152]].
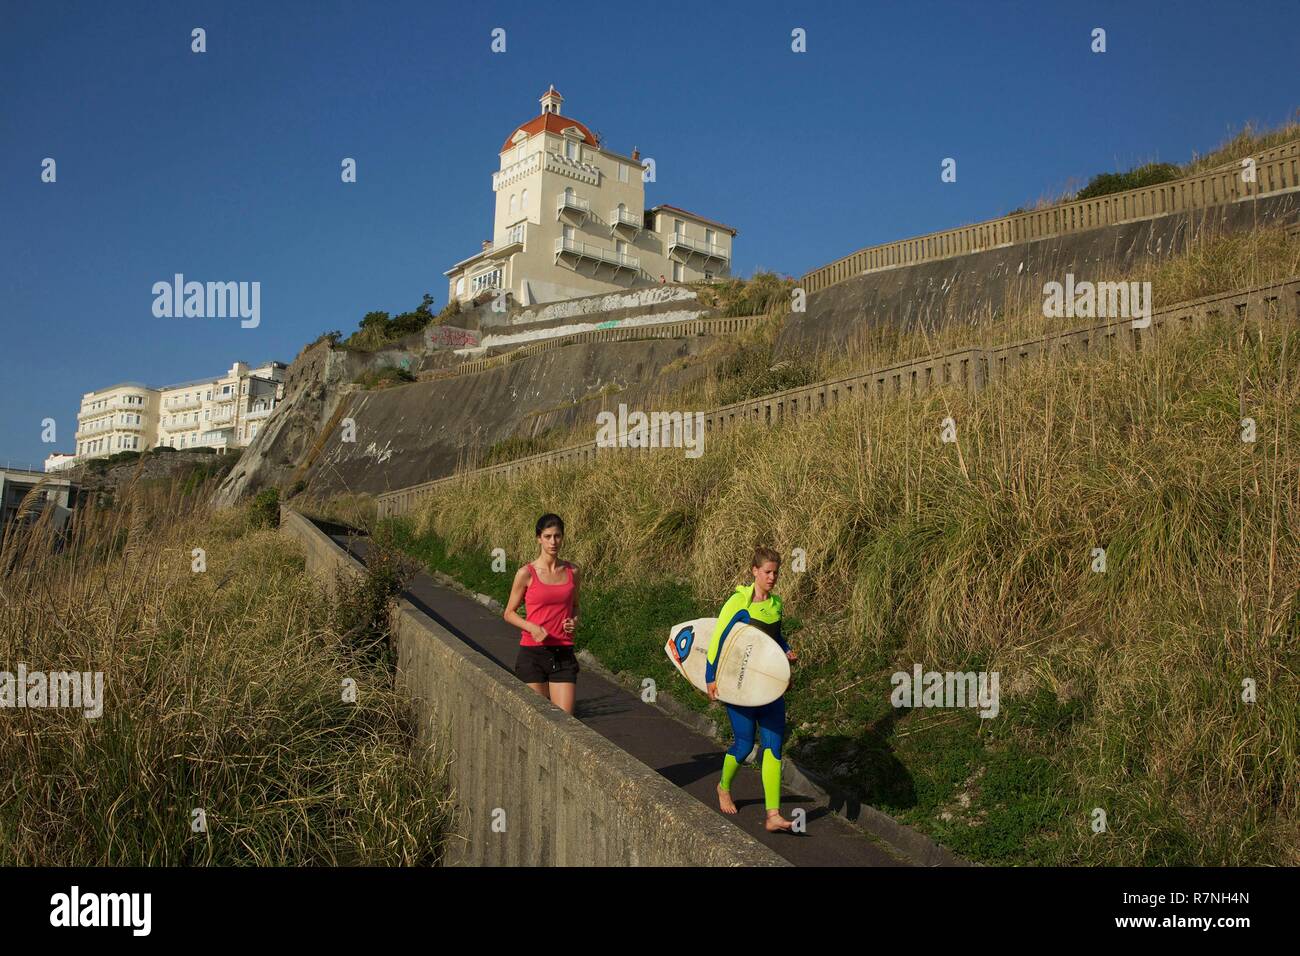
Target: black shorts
[[541, 665]]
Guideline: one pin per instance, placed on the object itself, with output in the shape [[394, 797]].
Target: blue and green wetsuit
[[769, 718]]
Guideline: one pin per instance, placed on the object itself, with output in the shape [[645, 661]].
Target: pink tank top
[[548, 605]]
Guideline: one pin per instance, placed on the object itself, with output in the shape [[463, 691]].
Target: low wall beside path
[[565, 794]]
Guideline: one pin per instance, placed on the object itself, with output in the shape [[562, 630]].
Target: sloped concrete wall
[[981, 283], [566, 795], [413, 433]]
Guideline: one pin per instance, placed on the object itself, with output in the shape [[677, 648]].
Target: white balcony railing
[[256, 414], [596, 253], [95, 429], [567, 201], [114, 406], [698, 246], [621, 217], [181, 404]]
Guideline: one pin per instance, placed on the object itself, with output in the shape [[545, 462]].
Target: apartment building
[[222, 412], [59, 461], [571, 221], [59, 495]]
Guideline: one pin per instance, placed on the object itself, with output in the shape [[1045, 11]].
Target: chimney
[[487, 244], [636, 154]]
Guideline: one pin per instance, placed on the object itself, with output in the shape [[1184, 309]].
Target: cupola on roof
[[550, 121]]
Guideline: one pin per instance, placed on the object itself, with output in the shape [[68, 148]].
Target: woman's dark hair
[[761, 554], [549, 520]]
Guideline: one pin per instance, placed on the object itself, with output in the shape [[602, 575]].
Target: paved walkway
[[681, 754]]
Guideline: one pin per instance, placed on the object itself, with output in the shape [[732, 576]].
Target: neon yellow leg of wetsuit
[[771, 780], [729, 767]]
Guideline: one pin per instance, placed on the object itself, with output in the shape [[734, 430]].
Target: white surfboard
[[752, 669]]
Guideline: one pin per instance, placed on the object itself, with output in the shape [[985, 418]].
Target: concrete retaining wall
[[569, 797], [971, 369], [1277, 170], [669, 330]]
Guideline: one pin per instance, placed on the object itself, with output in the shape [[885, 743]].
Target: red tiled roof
[[551, 123], [711, 222]]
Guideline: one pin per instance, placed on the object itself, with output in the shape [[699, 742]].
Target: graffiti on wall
[[450, 337]]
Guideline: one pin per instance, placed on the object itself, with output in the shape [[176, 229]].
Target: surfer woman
[[549, 589], [754, 604]]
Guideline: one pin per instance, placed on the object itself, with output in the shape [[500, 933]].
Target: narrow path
[[681, 754]]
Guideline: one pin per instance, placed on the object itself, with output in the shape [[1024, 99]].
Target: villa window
[[487, 280], [514, 204], [460, 286], [679, 228], [708, 236], [622, 172], [679, 272], [570, 150], [523, 201]]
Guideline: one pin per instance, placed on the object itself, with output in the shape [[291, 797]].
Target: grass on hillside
[[223, 693], [1121, 691], [1250, 140]]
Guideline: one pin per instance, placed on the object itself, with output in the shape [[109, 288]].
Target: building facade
[[571, 221], [57, 495], [223, 412]]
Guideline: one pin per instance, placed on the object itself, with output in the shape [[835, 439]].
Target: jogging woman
[[549, 589], [753, 604]]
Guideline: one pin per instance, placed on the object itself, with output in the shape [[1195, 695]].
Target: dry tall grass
[[978, 555], [223, 693]]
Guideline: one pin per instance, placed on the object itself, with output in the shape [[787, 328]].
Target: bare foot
[[725, 803], [776, 822]]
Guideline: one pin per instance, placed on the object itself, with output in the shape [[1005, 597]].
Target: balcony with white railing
[[181, 404], [513, 241], [178, 426], [256, 414], [583, 250], [621, 218], [525, 166], [566, 202], [117, 405], [680, 243], [95, 428]]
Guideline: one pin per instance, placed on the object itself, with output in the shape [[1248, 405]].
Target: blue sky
[[225, 165]]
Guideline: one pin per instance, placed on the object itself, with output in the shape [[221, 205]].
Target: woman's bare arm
[[517, 589]]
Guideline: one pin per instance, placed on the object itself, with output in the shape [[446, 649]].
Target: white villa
[[223, 412], [571, 221]]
